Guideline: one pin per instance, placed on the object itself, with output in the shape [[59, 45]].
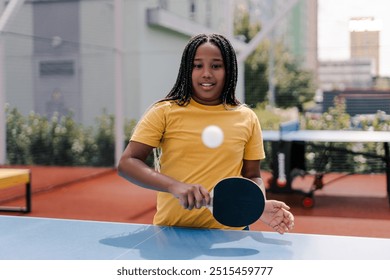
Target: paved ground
[[356, 205]]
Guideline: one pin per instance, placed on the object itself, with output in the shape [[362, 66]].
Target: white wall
[[18, 63]]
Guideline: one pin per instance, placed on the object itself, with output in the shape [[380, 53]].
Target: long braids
[[182, 90]]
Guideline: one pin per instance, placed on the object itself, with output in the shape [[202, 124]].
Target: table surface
[[60, 239]]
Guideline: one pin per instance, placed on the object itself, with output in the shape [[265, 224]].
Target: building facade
[[341, 74], [62, 55], [364, 38]]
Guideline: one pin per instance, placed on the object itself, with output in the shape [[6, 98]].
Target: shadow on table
[[170, 243]]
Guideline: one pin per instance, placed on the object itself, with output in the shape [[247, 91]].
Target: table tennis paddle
[[236, 202]]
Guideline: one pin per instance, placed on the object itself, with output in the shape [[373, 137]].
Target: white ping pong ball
[[212, 136]]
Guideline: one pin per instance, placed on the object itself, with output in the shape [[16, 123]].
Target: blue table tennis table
[[289, 133], [26, 238]]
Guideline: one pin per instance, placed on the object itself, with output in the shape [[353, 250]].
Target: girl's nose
[[206, 72]]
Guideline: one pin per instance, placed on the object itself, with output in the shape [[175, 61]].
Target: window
[[58, 68]]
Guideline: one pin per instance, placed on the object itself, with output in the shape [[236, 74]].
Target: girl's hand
[[190, 195], [277, 216]]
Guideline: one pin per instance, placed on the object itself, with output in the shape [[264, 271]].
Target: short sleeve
[[254, 149], [150, 129]]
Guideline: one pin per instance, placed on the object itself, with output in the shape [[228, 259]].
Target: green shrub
[[36, 140]]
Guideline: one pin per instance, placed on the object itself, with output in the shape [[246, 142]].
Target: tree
[[256, 84], [293, 86]]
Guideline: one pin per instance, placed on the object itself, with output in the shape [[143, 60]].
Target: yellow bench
[[12, 177]]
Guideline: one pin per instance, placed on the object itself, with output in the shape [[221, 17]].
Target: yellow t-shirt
[[177, 131]]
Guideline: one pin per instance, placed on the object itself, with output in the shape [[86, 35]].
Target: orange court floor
[[355, 205]]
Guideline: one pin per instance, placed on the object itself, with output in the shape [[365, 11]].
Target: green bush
[[18, 142], [36, 140]]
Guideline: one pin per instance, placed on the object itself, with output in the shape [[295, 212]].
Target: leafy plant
[[60, 141]]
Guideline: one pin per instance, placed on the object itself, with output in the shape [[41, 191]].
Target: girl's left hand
[[277, 215]]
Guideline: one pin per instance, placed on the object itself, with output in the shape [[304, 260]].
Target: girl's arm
[[251, 170], [132, 167]]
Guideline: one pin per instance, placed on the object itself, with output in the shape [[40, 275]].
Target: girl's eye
[[216, 66], [197, 66]]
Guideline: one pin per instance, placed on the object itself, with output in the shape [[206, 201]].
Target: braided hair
[[182, 90]]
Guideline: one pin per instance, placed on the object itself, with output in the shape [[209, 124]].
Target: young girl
[[204, 94]]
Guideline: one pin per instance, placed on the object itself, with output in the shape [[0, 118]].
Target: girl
[[204, 94]]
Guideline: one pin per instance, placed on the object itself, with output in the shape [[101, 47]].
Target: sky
[[333, 28]]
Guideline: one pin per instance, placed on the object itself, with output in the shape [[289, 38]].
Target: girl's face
[[208, 75]]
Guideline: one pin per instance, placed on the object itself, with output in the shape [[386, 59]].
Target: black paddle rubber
[[237, 202]]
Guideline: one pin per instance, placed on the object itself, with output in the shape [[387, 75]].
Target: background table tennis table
[[26, 238], [292, 134]]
